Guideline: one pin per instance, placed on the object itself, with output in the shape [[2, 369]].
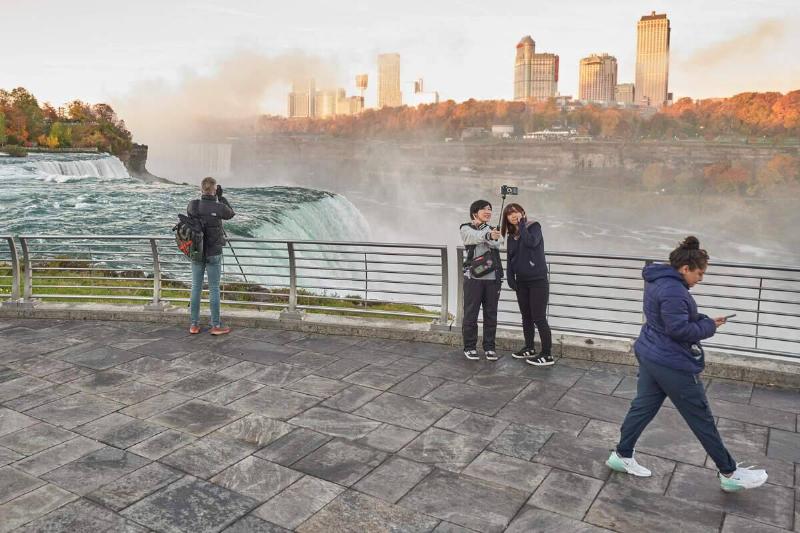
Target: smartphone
[[730, 316]]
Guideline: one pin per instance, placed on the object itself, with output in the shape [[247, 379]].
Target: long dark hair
[[505, 226], [689, 253]]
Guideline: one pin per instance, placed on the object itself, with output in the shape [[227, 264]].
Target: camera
[[507, 189]]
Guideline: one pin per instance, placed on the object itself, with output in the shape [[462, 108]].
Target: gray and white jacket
[[480, 237]]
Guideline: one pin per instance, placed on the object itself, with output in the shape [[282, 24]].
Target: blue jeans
[[213, 265], [656, 382]]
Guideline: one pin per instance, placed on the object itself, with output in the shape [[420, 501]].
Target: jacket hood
[[655, 271]]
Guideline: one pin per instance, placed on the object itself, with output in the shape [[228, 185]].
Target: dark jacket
[[212, 212], [672, 324], [526, 260]]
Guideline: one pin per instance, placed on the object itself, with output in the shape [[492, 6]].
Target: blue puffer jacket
[[673, 323], [526, 258]]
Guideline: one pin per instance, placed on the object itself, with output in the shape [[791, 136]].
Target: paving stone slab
[[278, 375], [471, 397], [251, 524], [94, 469], [166, 349], [190, 504], [444, 449], [240, 370], [452, 371], [447, 527], [594, 405], [298, 502], [40, 397], [11, 421], [559, 374], [21, 386], [743, 439], [103, 381], [39, 366], [119, 430], [232, 391], [207, 361], [566, 453], [35, 438], [32, 505], [403, 411], [197, 417], [272, 335], [160, 445], [467, 423], [533, 520], [770, 504], [374, 377], [101, 358], [132, 487], [132, 392], [310, 361], [61, 454], [351, 398], [730, 390], [465, 501], [318, 386], [254, 430], [258, 352], [737, 524], [541, 393], [598, 381], [669, 436], [8, 456], [566, 493], [499, 382], [256, 478], [388, 438], [14, 483], [784, 445], [156, 371], [335, 423], [208, 456], [416, 385], [155, 405], [325, 344], [293, 447], [753, 414], [542, 418], [509, 471], [340, 461], [353, 511], [199, 383], [340, 368], [776, 398], [274, 403], [75, 410], [393, 479], [628, 510], [780, 472], [520, 441]]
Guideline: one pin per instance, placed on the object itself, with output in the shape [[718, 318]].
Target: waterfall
[[108, 167]]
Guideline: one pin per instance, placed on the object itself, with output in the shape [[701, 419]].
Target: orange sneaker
[[194, 330], [219, 330]]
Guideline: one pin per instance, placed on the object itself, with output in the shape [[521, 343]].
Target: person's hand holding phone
[[720, 320], [495, 234]]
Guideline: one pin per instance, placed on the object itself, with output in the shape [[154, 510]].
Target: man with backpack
[[483, 278], [210, 210]]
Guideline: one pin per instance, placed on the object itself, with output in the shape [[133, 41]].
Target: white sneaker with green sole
[[742, 479], [627, 465]]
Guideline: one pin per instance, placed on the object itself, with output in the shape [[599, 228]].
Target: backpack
[[189, 237]]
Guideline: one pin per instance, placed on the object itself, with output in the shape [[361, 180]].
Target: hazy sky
[[109, 51]]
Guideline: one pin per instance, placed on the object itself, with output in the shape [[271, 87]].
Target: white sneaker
[[743, 478], [627, 465], [472, 355]]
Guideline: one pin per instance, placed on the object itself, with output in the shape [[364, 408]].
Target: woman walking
[[670, 361], [527, 276]]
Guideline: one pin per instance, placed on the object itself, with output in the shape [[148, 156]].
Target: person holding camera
[[527, 276], [212, 208], [483, 278], [670, 362]]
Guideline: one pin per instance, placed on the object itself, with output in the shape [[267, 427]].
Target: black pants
[[686, 391], [532, 297], [479, 293]]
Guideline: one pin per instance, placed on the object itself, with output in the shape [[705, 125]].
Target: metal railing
[[589, 294]]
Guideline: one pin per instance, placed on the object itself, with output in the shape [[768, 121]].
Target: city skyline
[[461, 50]]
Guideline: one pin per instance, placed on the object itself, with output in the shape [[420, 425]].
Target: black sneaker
[[524, 353], [491, 355], [472, 355], [540, 360]]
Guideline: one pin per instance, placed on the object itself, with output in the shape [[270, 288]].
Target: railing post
[[758, 307], [366, 281], [12, 248], [27, 278], [647, 262], [291, 312], [157, 303], [459, 287], [444, 318]]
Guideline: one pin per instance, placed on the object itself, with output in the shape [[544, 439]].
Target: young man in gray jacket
[[481, 290]]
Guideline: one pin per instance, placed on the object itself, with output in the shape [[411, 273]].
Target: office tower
[[544, 78], [326, 101], [349, 105], [302, 99], [523, 69], [598, 78], [652, 60], [625, 93], [389, 94]]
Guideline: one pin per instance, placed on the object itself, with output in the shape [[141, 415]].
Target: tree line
[[773, 115], [23, 122]]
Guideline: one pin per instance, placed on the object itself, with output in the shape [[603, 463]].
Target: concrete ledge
[[755, 368]]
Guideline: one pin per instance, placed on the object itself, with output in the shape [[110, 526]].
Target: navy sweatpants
[[686, 391]]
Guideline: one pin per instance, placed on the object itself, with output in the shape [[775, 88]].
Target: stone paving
[[131, 427]]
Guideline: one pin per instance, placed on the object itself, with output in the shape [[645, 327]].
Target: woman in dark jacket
[[527, 276], [670, 361]]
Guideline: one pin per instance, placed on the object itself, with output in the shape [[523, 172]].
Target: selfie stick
[[502, 205], [234, 256]]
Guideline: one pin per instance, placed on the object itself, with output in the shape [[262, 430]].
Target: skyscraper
[[625, 93], [523, 69], [545, 76], [302, 99], [389, 94], [598, 78], [652, 60]]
